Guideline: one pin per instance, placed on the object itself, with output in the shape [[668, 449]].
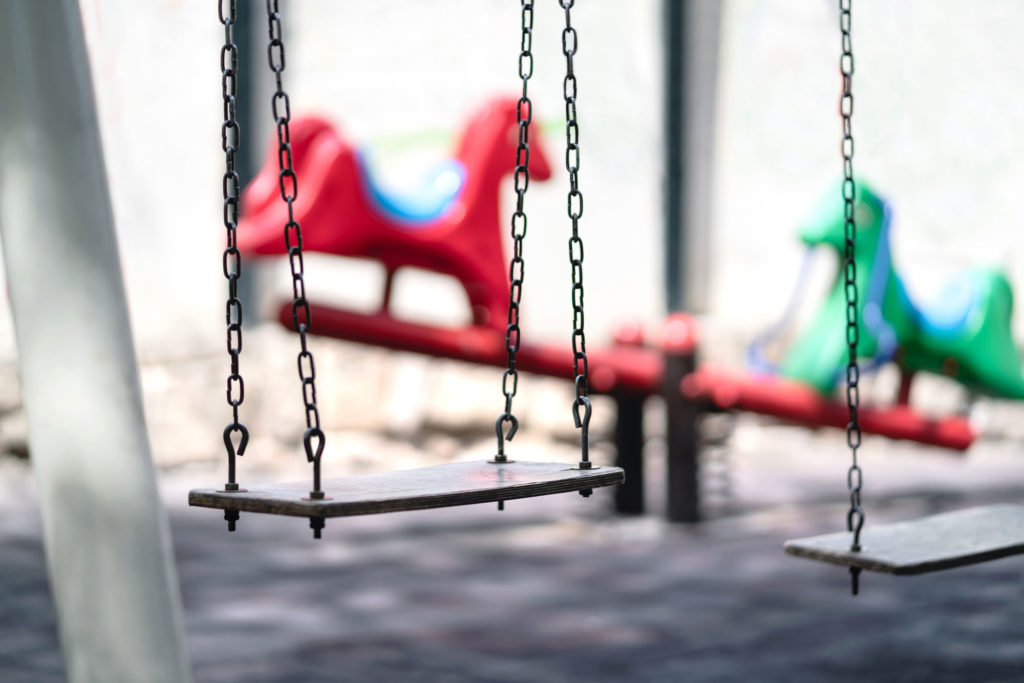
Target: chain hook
[[500, 432], [584, 426], [854, 523], [313, 455], [242, 443], [583, 423]]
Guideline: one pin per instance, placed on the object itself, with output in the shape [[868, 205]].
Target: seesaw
[[962, 332], [342, 213]]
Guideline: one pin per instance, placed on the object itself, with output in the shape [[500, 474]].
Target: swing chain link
[[521, 181], [232, 258], [574, 205], [854, 476], [313, 439]]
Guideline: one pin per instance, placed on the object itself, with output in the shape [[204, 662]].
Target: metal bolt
[[316, 524]]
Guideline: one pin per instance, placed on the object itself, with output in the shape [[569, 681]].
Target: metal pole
[[691, 64], [253, 101], [675, 153], [629, 443], [682, 472], [106, 536], [691, 44]]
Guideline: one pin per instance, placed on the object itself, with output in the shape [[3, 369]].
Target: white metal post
[[106, 534]]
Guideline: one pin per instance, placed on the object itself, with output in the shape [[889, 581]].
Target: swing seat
[[929, 544], [462, 483]]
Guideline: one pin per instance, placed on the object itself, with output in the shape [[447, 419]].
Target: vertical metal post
[[252, 101], [106, 534], [675, 152], [629, 444], [629, 431], [679, 345], [691, 64], [690, 45]]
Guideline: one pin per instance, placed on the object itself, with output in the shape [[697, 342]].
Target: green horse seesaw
[[963, 333]]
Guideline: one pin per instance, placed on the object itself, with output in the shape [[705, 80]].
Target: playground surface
[[553, 589], [545, 593]]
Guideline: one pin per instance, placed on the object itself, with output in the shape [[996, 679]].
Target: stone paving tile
[[551, 592], [539, 600], [29, 649]]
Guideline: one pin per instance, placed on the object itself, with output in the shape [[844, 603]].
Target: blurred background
[[934, 120], [468, 594]]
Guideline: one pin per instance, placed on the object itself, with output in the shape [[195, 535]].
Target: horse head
[[326, 167], [488, 145], [334, 188], [825, 224]]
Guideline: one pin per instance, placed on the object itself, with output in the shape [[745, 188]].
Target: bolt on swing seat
[[929, 544], [461, 483]]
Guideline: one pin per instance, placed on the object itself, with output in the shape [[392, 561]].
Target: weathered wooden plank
[[928, 544], [463, 483]]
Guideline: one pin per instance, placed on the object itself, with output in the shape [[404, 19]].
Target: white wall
[[937, 128], [937, 125]]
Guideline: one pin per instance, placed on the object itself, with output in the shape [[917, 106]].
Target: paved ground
[[553, 589], [548, 591]]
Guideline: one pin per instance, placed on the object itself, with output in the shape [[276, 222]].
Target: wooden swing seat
[[929, 544], [463, 483]]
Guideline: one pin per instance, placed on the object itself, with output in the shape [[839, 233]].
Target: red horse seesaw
[[451, 226]]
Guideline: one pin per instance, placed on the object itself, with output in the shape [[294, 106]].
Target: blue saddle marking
[[872, 318], [756, 358], [421, 204], [949, 312]]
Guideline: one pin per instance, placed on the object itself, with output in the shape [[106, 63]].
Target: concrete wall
[[936, 127]]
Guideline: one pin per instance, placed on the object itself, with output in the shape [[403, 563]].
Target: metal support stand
[[106, 535], [690, 54], [250, 27], [675, 153], [629, 444], [683, 474]]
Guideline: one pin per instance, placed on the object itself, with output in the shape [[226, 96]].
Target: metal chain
[[232, 258], [521, 181], [581, 368], [854, 476], [314, 439]]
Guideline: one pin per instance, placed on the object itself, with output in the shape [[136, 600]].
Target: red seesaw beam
[[617, 369], [802, 405], [637, 369]]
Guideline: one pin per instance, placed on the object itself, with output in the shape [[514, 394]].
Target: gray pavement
[[551, 590]]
